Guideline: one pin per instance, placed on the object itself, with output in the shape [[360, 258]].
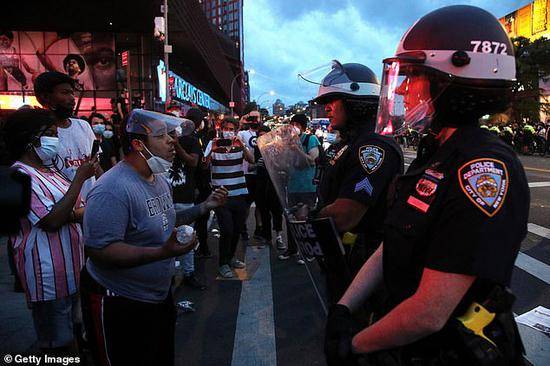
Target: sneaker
[[193, 281], [186, 306], [225, 271], [235, 263], [214, 231], [287, 254], [300, 261], [281, 245], [309, 259]]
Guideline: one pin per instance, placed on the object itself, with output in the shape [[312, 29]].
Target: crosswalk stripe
[[538, 230], [536, 169], [254, 342], [539, 184], [534, 267]]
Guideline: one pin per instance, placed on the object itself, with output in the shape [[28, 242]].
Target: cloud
[[285, 37]]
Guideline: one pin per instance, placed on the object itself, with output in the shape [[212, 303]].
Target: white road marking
[[538, 230], [255, 331], [531, 265], [534, 267], [539, 184]]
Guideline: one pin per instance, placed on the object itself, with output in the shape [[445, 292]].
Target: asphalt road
[[286, 304]]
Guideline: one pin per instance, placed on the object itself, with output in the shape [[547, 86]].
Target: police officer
[[362, 164], [458, 215]]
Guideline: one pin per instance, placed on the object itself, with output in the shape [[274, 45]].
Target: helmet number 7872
[[489, 47]]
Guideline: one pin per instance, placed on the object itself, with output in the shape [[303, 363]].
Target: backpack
[[322, 158]]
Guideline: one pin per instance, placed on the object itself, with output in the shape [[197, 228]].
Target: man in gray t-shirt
[[131, 242], [124, 207]]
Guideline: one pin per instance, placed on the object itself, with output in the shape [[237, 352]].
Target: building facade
[[278, 108], [116, 54], [227, 17], [533, 22]]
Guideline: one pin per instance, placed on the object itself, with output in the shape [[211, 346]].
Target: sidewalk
[[17, 334]]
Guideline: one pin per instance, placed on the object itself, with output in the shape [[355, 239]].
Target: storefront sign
[[124, 58], [180, 89]]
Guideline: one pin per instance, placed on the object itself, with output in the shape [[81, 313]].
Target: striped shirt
[[48, 262], [227, 169]]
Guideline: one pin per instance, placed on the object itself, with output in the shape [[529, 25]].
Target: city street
[[271, 315]]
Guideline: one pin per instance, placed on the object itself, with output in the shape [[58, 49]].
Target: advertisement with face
[[89, 59]]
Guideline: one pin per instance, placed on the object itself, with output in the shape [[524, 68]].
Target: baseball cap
[[195, 115], [151, 123]]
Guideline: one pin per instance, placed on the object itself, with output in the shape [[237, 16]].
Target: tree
[[532, 65]]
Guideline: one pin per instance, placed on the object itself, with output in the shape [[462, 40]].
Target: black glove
[[338, 335]]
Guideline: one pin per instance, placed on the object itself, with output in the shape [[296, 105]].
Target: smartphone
[[95, 148], [224, 142]]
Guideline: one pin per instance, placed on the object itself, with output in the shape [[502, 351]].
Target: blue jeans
[[187, 261]]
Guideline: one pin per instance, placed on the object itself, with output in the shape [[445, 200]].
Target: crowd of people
[[107, 191], [527, 138], [114, 221]]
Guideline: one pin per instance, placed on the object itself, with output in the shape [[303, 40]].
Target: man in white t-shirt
[[55, 91]]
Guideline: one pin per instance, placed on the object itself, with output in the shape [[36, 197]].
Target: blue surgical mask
[[99, 129], [48, 148], [228, 134]]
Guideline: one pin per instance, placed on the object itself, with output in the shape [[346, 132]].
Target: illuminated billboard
[[89, 58]]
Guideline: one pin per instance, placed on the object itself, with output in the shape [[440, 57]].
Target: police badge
[[485, 182], [371, 157]]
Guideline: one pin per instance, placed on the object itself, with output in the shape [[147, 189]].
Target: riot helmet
[[359, 89], [443, 77]]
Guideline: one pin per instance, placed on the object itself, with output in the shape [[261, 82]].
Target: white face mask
[[48, 148], [157, 164], [108, 134], [228, 134]]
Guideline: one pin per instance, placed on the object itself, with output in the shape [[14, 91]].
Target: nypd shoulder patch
[[485, 182], [371, 157]]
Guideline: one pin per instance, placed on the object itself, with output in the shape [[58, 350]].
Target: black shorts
[[121, 331], [251, 187]]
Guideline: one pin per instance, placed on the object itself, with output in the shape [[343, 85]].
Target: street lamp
[[250, 72], [271, 92]]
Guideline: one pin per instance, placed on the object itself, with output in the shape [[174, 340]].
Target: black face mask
[[62, 112]]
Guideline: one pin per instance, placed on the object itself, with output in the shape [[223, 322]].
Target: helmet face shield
[[406, 98]]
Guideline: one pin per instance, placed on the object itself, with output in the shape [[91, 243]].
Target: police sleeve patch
[[371, 157], [485, 182]]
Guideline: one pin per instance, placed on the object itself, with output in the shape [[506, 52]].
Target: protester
[[267, 201], [226, 156], [103, 131], [130, 238], [55, 91], [203, 133], [182, 178], [249, 124], [301, 190], [48, 249]]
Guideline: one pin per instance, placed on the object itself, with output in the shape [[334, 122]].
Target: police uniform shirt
[[361, 170], [462, 210]]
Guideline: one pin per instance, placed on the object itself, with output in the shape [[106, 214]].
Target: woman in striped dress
[[48, 248], [226, 156]]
